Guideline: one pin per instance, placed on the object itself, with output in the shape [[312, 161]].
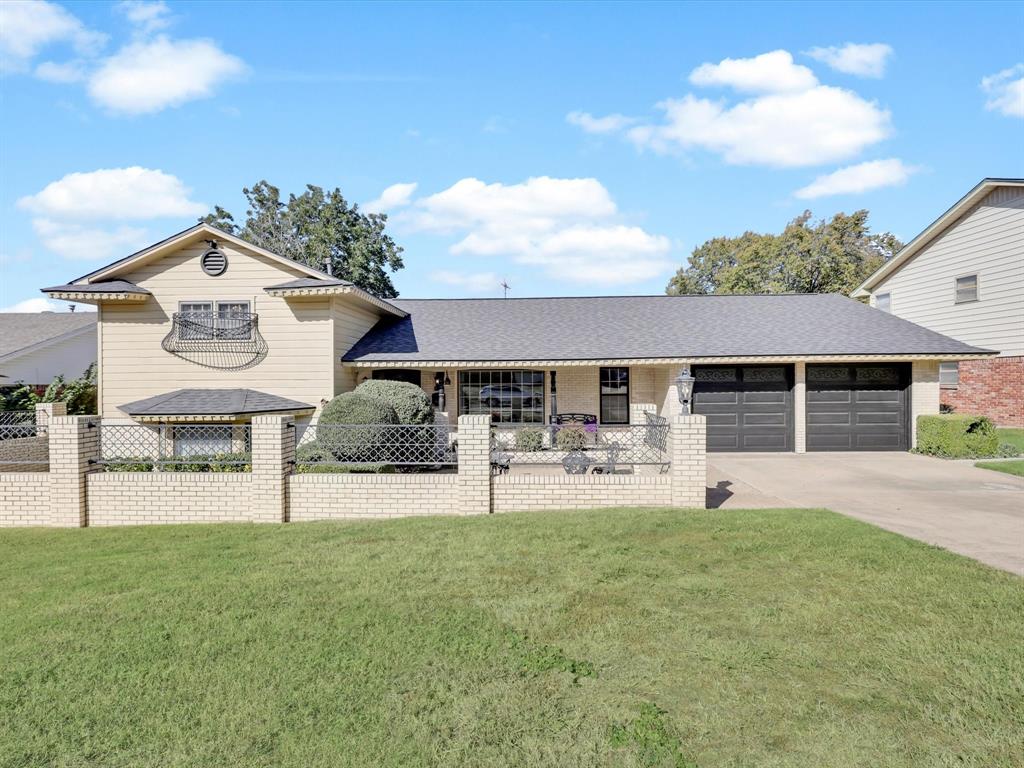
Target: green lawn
[[1014, 437], [620, 637], [1015, 467]]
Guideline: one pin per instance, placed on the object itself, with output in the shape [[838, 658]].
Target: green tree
[[316, 227], [79, 394], [832, 256]]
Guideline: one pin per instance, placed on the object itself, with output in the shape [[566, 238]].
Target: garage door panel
[[837, 417], [765, 398], [828, 396], [748, 408], [857, 407]]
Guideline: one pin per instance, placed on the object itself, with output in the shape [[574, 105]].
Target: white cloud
[[568, 227], [68, 72], [473, 282], [75, 241], [148, 17], [855, 179], [607, 124], [44, 305], [1005, 91], [772, 72], [114, 193], [820, 125], [395, 196], [148, 76], [862, 59], [791, 120], [27, 26]]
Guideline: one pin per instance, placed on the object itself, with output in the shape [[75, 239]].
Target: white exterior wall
[[988, 241], [68, 358]]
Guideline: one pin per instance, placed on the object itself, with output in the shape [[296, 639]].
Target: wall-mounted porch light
[[684, 387]]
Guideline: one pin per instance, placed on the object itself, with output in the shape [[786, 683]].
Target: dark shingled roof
[[107, 286], [308, 282], [20, 330], [212, 402], [621, 327]]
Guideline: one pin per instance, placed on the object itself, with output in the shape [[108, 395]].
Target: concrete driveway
[[976, 512]]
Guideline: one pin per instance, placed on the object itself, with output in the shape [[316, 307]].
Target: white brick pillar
[[46, 411], [671, 406], [273, 456], [800, 407], [688, 454], [74, 444], [638, 411], [474, 483], [924, 393]]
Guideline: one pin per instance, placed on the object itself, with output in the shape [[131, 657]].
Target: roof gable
[[934, 230]]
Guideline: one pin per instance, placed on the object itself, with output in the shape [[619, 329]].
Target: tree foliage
[[316, 227], [832, 256], [79, 394]]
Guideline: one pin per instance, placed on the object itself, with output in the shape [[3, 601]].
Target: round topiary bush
[[362, 444], [410, 402], [570, 440], [529, 439]]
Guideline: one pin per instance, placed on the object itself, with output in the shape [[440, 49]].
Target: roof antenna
[[506, 286], [71, 308]]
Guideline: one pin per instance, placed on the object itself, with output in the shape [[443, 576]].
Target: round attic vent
[[214, 262]]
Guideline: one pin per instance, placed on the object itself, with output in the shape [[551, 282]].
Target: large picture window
[[615, 395], [514, 397]]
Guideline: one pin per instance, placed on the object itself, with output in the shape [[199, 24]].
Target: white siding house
[[964, 277], [35, 347]]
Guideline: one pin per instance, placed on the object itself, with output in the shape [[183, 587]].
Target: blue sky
[[570, 149]]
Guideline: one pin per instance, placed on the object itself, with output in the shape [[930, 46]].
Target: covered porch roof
[[212, 405]]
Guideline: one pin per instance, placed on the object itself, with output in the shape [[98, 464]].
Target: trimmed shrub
[[570, 439], [529, 439], [128, 464], [214, 462], [956, 436], [316, 458], [411, 404], [355, 445]]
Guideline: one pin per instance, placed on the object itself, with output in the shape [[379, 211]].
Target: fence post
[[74, 444], [688, 450], [474, 482], [273, 456], [46, 411]]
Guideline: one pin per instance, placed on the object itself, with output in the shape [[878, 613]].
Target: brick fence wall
[[993, 388], [74, 493]]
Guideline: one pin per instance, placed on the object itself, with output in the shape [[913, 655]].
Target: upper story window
[[614, 395], [883, 301], [966, 289], [222, 320]]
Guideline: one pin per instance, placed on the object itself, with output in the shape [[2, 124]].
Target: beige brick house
[[203, 326]]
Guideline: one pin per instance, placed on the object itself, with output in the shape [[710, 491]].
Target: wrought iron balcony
[[216, 339]]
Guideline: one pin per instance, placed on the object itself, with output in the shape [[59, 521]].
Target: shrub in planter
[[360, 444], [412, 405], [570, 439], [529, 439], [956, 436], [128, 464], [213, 462]]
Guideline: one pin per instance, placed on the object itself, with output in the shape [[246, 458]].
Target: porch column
[[800, 407]]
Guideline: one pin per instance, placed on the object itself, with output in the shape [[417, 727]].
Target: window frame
[[602, 394], [494, 377], [888, 297], [977, 288], [213, 308], [956, 371]]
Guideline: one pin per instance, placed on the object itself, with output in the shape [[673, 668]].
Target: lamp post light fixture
[[684, 387]]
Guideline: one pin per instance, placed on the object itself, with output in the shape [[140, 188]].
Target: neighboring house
[[963, 276], [35, 347], [206, 327]]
